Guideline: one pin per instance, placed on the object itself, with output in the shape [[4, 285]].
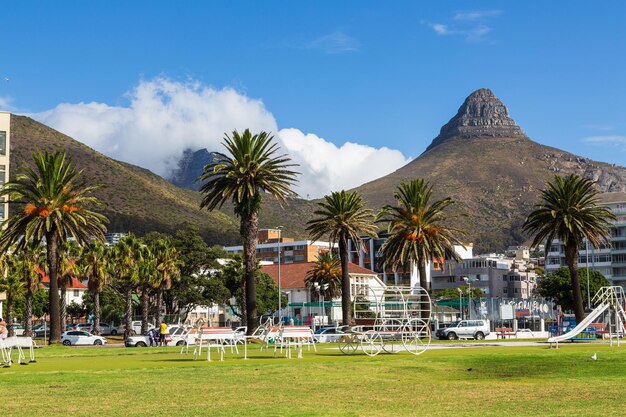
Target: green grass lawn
[[503, 381]]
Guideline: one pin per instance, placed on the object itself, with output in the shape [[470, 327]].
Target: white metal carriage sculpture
[[389, 319]]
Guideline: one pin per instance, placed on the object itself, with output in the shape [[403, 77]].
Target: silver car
[[464, 329]]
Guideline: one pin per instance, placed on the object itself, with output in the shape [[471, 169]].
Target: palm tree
[[12, 284], [127, 257], [342, 216], [327, 274], [167, 265], [416, 229], [67, 273], [31, 256], [94, 261], [250, 169], [148, 277], [55, 206], [570, 213]]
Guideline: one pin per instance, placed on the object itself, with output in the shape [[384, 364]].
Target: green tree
[[126, 257], [32, 255], [249, 169], [167, 264], [12, 284], [148, 281], [327, 274], [94, 263], [569, 211], [68, 271], [417, 229], [55, 206], [342, 216], [454, 292], [557, 286]]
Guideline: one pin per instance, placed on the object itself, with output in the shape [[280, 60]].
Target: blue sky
[[378, 74]]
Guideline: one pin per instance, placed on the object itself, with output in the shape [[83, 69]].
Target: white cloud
[[335, 43], [618, 141], [440, 28], [164, 117], [328, 167], [476, 15]]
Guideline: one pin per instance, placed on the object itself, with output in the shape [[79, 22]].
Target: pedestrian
[[162, 333], [3, 329], [152, 337]]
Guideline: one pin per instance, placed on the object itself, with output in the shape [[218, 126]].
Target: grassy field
[[503, 381]]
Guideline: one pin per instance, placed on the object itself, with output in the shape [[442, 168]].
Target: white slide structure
[[582, 326]]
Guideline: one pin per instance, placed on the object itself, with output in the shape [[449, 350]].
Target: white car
[[464, 329], [328, 335], [136, 328], [81, 337], [175, 337]]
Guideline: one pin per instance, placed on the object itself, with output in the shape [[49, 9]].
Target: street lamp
[[587, 262], [460, 302], [469, 296], [280, 295]]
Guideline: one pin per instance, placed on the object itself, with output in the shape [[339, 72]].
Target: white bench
[[219, 338], [295, 336], [7, 345]]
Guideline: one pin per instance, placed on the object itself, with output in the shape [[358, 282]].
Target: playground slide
[[582, 326]]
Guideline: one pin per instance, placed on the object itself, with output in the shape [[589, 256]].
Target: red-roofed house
[[74, 293], [300, 300]]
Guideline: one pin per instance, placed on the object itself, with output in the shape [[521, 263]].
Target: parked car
[[81, 337], [41, 330], [175, 337], [464, 329], [136, 328], [79, 326], [327, 334], [18, 329], [106, 329]]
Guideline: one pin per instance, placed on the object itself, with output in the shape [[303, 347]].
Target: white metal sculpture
[[389, 319], [19, 343]]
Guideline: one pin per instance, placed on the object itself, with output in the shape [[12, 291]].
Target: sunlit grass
[[486, 381]]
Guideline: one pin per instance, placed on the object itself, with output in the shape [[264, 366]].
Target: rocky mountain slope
[[486, 163]]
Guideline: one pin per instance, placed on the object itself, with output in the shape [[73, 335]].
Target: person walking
[[3, 329], [152, 337]]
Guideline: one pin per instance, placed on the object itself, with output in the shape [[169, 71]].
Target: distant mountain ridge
[[190, 167]]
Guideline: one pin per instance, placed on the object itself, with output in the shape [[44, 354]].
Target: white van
[[464, 329]]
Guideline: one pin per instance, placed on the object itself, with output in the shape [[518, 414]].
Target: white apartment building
[[5, 140], [609, 260]]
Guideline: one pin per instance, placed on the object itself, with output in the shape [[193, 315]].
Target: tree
[[147, 280], [230, 278], [55, 206], [167, 266], [557, 286], [12, 284], [569, 211], [31, 256], [94, 262], [417, 230], [126, 257], [250, 169], [327, 274], [67, 273], [342, 216]]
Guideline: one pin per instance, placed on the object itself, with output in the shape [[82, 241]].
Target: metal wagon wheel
[[348, 343], [372, 343], [416, 336], [392, 330]]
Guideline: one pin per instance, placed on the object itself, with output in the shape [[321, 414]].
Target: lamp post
[[460, 302], [280, 294], [587, 264]]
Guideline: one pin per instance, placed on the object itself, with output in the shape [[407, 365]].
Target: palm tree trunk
[[571, 259], [10, 315], [159, 302], [28, 311], [128, 319], [248, 230], [421, 267], [96, 313], [144, 310], [52, 252], [63, 308], [346, 300]]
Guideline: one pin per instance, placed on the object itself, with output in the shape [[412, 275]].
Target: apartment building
[[5, 140], [271, 242], [608, 259]]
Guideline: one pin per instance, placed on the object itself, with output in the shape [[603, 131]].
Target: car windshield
[[454, 323]]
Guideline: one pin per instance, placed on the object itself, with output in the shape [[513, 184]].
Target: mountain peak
[[482, 114]]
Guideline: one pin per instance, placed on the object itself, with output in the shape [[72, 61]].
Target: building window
[[505, 290], [298, 258], [451, 279], [3, 143], [299, 247], [76, 294]]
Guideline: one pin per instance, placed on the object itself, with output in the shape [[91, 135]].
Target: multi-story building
[[113, 238], [5, 140], [609, 260], [495, 275], [271, 242]]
